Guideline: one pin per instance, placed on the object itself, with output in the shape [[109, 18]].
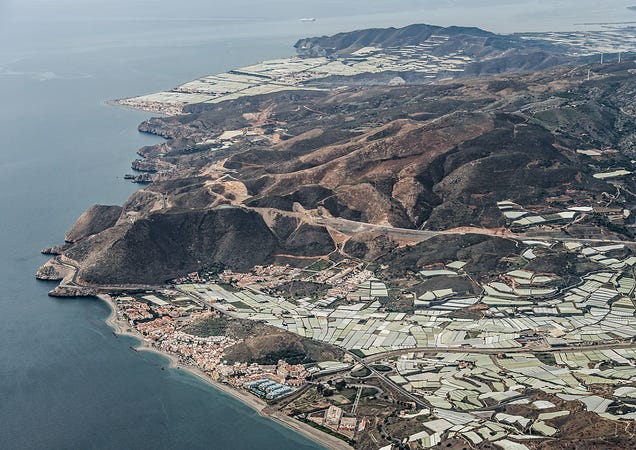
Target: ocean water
[[66, 382]]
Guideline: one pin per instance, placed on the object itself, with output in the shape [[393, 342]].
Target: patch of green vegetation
[[570, 95], [361, 373], [358, 353], [349, 393], [515, 262], [368, 392], [546, 358], [321, 264], [229, 287], [240, 305], [291, 355], [381, 368]]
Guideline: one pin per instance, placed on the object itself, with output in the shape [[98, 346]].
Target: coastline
[[121, 328], [117, 103]]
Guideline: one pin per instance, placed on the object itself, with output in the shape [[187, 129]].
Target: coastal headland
[[398, 238]]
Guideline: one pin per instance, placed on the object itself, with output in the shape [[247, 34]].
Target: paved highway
[[496, 351], [418, 401]]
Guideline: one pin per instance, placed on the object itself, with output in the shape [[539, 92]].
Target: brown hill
[[433, 157], [263, 344]]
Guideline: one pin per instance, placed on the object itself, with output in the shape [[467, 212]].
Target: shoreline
[[122, 328]]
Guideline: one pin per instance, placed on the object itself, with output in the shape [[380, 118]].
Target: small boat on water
[[308, 19]]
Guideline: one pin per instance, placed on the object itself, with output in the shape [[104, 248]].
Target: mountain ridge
[[424, 157]]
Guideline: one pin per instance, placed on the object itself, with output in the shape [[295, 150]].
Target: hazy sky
[[31, 27], [497, 15]]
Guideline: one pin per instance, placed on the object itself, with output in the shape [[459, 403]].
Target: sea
[[66, 381]]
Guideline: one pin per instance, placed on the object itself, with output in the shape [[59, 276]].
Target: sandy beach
[[122, 328]]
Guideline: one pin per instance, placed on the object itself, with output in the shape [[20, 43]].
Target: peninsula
[[396, 239]]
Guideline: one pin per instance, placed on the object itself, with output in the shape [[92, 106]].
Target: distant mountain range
[[473, 41]]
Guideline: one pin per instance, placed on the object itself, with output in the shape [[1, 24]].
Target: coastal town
[[504, 363]]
